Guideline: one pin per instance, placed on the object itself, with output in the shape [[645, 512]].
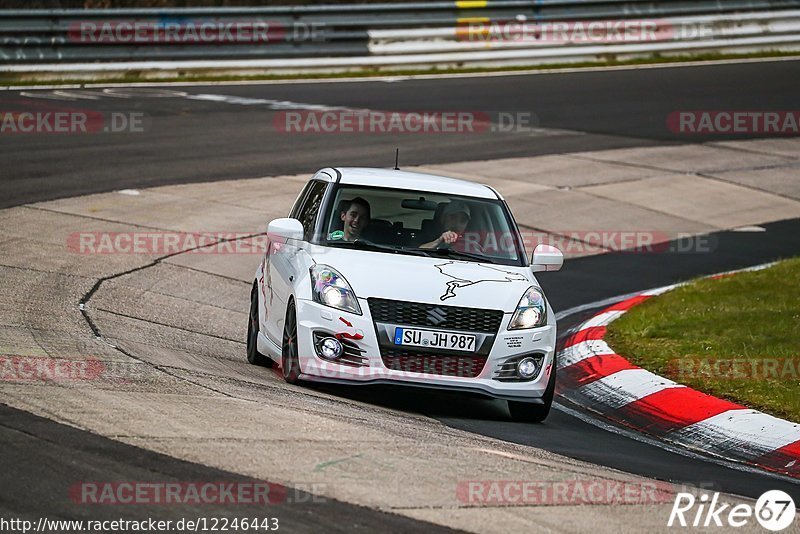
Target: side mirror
[[546, 258], [285, 228]]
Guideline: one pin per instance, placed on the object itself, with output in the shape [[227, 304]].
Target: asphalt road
[[577, 284], [185, 140], [46, 463], [44, 459], [188, 140]]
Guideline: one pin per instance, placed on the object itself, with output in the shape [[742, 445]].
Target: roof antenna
[[396, 159]]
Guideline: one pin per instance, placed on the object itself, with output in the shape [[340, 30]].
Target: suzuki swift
[[391, 277]]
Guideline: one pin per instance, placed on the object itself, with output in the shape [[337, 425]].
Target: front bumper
[[313, 317]]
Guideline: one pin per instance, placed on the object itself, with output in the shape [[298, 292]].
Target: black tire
[[253, 356], [290, 361], [526, 412]]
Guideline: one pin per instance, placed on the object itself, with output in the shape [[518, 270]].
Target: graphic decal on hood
[[469, 274]]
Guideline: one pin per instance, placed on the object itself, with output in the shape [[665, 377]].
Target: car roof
[[414, 181]]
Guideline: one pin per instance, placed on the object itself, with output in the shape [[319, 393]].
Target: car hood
[[429, 280]]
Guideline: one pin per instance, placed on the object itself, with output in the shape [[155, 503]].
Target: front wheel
[[535, 413], [290, 361], [253, 356]]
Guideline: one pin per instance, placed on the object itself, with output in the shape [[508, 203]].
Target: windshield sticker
[[469, 274], [336, 236]]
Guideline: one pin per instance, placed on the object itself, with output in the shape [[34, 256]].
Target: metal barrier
[[347, 37]]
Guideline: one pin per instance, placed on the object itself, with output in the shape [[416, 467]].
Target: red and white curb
[[592, 375]]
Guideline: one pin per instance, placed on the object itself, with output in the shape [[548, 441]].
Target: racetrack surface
[[191, 358], [43, 457], [576, 285], [566, 434], [188, 141]]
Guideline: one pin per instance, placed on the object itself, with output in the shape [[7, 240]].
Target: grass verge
[[736, 337]]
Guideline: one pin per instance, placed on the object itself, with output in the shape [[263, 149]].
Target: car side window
[[298, 203], [308, 210]]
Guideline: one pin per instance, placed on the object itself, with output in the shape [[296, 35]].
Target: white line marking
[[592, 305], [272, 104], [661, 290], [76, 95], [47, 96], [750, 229], [143, 93], [602, 319]]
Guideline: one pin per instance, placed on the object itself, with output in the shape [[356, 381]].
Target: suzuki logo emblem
[[437, 316]]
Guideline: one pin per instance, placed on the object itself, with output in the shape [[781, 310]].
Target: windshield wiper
[[367, 245], [450, 253]]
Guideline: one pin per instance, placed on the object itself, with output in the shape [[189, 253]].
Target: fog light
[[527, 368], [330, 348]]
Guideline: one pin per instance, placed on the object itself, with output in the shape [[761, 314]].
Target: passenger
[[455, 218], [355, 216]]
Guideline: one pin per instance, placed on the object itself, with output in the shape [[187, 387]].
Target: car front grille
[[434, 316], [416, 362]]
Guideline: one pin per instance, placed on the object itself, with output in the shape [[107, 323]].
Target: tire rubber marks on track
[[133, 92], [111, 92], [271, 104], [140, 92]]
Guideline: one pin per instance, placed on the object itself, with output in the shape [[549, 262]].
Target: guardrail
[[347, 37]]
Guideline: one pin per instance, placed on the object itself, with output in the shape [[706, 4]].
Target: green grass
[[32, 79], [752, 317]]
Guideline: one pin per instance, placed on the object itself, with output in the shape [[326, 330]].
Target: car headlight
[[331, 289], [531, 311]]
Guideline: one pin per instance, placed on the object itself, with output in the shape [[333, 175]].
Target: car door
[[282, 262]]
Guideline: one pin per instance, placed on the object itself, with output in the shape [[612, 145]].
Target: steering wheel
[[475, 247]]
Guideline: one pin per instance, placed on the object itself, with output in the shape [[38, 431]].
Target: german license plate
[[434, 340]]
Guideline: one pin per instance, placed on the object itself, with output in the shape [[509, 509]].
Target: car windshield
[[422, 224]]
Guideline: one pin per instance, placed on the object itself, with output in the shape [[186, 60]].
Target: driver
[[455, 218], [355, 216]]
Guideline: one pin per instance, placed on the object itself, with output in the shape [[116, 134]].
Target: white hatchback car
[[390, 277]]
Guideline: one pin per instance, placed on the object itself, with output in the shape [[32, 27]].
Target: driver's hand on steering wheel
[[448, 238]]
